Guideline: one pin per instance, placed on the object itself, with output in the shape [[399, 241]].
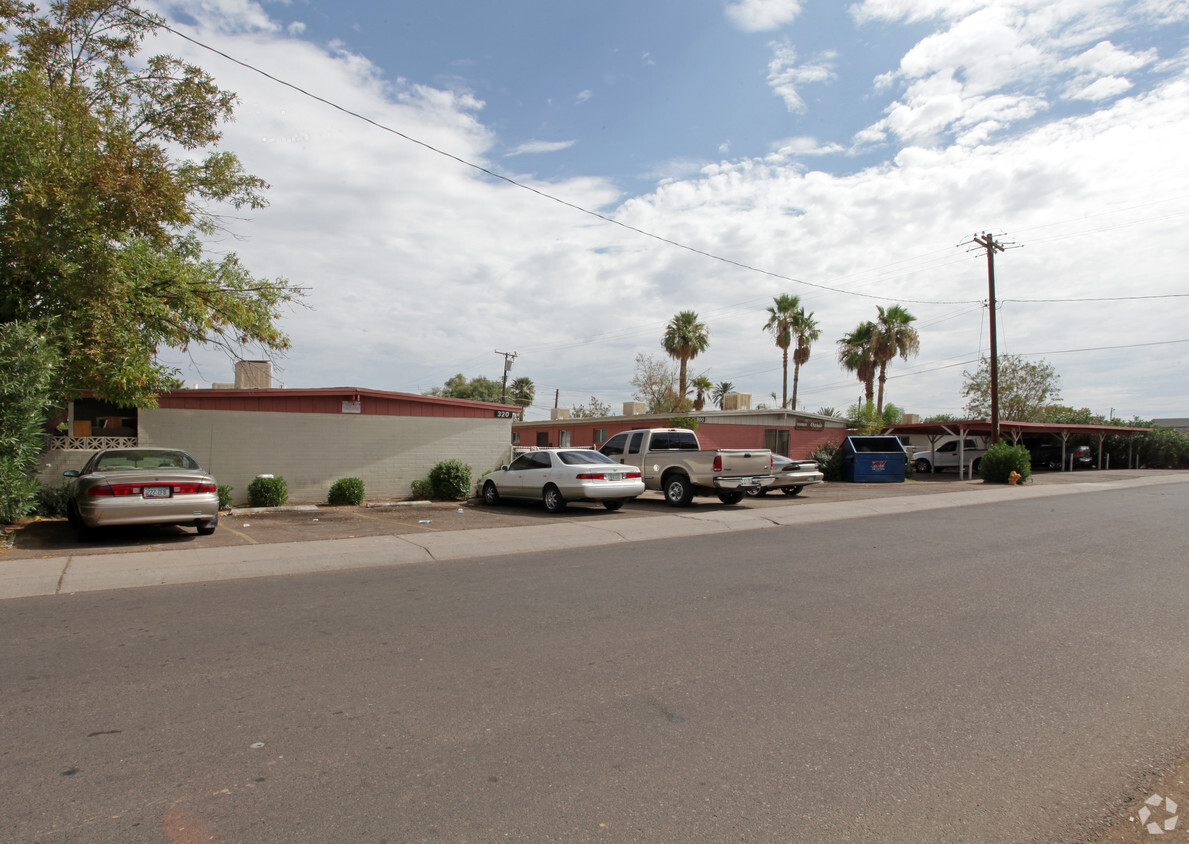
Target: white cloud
[[785, 76], [583, 96], [419, 266], [762, 15], [534, 147]]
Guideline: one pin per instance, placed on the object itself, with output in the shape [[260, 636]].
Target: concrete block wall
[[313, 450]]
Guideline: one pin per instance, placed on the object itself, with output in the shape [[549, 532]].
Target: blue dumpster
[[874, 460]]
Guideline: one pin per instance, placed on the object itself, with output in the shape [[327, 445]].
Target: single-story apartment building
[[310, 437], [792, 433]]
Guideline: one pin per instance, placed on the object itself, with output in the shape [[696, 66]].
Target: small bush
[[1001, 460], [224, 492], [450, 479], [346, 491], [267, 492], [829, 461], [422, 489], [52, 500]]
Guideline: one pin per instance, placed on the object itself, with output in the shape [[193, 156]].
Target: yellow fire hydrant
[[1013, 478]]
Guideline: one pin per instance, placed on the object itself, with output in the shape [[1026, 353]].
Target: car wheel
[[612, 505], [554, 502], [755, 491], [921, 466], [207, 528], [1054, 465], [732, 497], [792, 490], [678, 490], [974, 467], [491, 495]]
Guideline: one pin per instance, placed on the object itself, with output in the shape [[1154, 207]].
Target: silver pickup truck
[[672, 461]]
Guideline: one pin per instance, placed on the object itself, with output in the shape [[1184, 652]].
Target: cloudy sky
[[558, 180]]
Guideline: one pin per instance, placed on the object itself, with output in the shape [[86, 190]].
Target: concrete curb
[[88, 573]]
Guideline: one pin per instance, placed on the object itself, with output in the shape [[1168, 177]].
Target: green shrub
[[422, 489], [1001, 460], [267, 492], [450, 479], [829, 460], [51, 500], [690, 422], [224, 493], [27, 380], [346, 491]]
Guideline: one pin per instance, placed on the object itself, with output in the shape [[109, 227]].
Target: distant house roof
[[1180, 423]]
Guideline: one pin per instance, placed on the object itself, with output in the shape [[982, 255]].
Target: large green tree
[[26, 392], [656, 385], [1025, 389], [719, 395], [805, 333], [478, 388], [893, 337], [110, 179], [685, 338], [522, 391]]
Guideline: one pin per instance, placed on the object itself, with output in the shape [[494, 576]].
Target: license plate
[[615, 477], [157, 492]]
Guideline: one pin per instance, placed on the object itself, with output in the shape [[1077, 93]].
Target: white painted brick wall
[[313, 450]]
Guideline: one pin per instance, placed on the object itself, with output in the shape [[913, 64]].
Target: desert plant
[[224, 492], [422, 488], [1001, 460], [51, 500], [829, 460], [267, 492], [346, 491], [689, 422], [450, 479]]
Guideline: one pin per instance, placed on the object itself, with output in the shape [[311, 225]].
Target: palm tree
[[854, 355], [806, 332], [781, 314], [893, 337], [719, 396], [685, 338], [703, 385], [521, 391]]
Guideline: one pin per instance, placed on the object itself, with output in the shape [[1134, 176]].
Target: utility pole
[[987, 241], [508, 358]]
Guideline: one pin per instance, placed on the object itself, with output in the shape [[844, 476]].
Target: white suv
[[946, 456]]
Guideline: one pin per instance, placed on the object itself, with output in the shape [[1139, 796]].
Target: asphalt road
[[1001, 672]]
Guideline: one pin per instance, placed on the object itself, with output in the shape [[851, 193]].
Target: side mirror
[[70, 473], [503, 468]]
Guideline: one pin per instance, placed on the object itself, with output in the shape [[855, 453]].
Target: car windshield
[[581, 458], [144, 459]]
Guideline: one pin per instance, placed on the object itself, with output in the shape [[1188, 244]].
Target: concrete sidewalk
[[87, 573]]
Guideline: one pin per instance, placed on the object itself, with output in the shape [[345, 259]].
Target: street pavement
[[451, 532]]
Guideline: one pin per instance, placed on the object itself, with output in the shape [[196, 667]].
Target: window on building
[[776, 440], [563, 439], [515, 438], [600, 435]]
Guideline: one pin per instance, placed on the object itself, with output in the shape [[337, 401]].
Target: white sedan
[[560, 475]]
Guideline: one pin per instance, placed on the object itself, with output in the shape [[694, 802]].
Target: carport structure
[[1015, 431]]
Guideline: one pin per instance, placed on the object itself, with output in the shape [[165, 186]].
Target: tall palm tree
[[781, 314], [703, 385], [894, 337], [854, 355], [806, 332], [719, 396], [684, 339], [522, 390]]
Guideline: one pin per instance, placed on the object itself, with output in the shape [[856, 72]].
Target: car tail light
[[117, 490], [718, 462], [632, 475]]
